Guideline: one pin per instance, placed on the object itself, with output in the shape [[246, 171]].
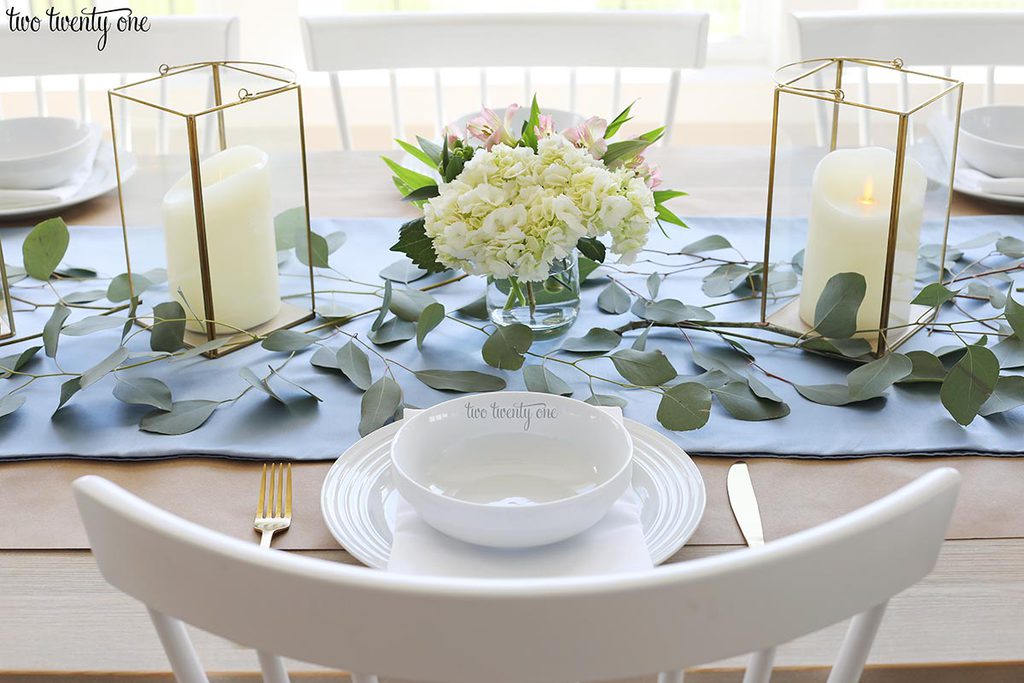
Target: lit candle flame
[[868, 197]]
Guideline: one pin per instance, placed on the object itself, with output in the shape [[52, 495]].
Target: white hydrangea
[[513, 211]]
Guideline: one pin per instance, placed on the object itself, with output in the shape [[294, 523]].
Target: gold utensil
[[274, 512]]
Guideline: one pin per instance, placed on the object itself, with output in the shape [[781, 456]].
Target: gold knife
[[744, 504]]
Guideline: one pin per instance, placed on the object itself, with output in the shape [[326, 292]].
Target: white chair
[[170, 40], [921, 39], [399, 40], [508, 631]]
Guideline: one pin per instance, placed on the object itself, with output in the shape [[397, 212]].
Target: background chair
[[988, 39], [505, 631], [171, 40], [669, 40]]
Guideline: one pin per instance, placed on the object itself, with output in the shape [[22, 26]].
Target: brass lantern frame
[[786, 316], [293, 315], [7, 328]]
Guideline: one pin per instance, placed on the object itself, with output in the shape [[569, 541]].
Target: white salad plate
[[358, 499], [102, 180]]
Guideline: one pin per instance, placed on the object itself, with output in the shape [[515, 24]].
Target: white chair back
[[356, 42], [945, 39], [507, 631], [170, 40]]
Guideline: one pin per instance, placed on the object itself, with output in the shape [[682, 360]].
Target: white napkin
[[615, 544], [969, 177], [26, 199]]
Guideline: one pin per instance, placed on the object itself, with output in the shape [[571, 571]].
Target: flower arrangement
[[514, 206]]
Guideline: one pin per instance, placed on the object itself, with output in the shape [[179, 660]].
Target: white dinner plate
[[358, 500], [102, 180]]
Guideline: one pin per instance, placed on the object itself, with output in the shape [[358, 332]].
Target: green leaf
[[13, 363], [825, 394], [168, 333], [409, 177], [643, 368], [205, 347], [596, 340], [421, 194], [662, 196], [417, 153], [380, 403], [84, 296], [475, 309], [431, 149], [587, 267], [653, 136], [183, 417], [607, 400], [506, 347], [1012, 247], [145, 391], [613, 299], [103, 368], [684, 407], [618, 121], [970, 383], [539, 379], [725, 279], [592, 248], [709, 243], [259, 383], [1015, 316], [431, 317], [462, 381], [654, 284], [287, 225], [288, 341], [335, 240], [385, 304], [529, 134], [1010, 353], [414, 243], [44, 247], [402, 271], [835, 314], [354, 364], [51, 330], [743, 404], [393, 331], [1008, 394], [409, 304], [294, 384], [67, 390], [933, 295], [673, 311], [10, 403], [119, 290], [665, 214], [93, 323], [872, 379], [312, 249], [926, 367], [620, 152], [853, 347]]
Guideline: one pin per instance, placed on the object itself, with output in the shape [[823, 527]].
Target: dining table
[[59, 620]]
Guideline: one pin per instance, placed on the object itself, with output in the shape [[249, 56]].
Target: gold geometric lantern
[[859, 196], [214, 199], [6, 309]]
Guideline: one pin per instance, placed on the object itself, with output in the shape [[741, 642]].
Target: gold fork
[[270, 516]]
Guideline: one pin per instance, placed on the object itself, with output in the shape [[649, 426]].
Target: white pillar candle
[[848, 230], [239, 236]]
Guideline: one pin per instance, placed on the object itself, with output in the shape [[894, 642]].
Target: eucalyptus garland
[[972, 375]]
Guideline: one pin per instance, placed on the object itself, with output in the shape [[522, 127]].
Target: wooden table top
[[60, 620]]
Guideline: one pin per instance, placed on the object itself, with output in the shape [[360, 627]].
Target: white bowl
[[38, 153], [992, 139], [512, 469]]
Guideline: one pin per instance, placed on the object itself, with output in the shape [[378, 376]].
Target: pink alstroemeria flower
[[590, 136], [545, 127], [490, 129], [650, 173], [452, 136]]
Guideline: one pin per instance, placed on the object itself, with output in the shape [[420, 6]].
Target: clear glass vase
[[549, 307]]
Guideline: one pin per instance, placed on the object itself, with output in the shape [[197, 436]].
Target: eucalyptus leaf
[[704, 244], [52, 328], [93, 323], [10, 403], [393, 331], [1010, 353], [640, 343], [1012, 247], [104, 367], [825, 394], [258, 383], [385, 304], [607, 400], [205, 347], [354, 364], [84, 296], [970, 383], [67, 390], [613, 299], [1008, 394], [287, 225], [379, 404], [288, 341], [592, 248], [643, 368], [168, 333], [596, 340], [835, 314], [335, 240], [852, 347], [120, 290], [725, 279], [431, 317], [463, 381], [587, 267], [506, 347], [476, 309], [1015, 316], [44, 247], [926, 368], [75, 273], [933, 295], [156, 276], [542, 380], [146, 391], [324, 357], [275, 373], [403, 271], [673, 311], [685, 407], [183, 417], [654, 284], [872, 379], [312, 249], [15, 362], [743, 404], [798, 262], [409, 304]]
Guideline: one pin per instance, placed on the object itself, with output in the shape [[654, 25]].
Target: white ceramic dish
[[102, 180], [512, 469], [936, 168], [358, 499], [992, 139], [40, 152]]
